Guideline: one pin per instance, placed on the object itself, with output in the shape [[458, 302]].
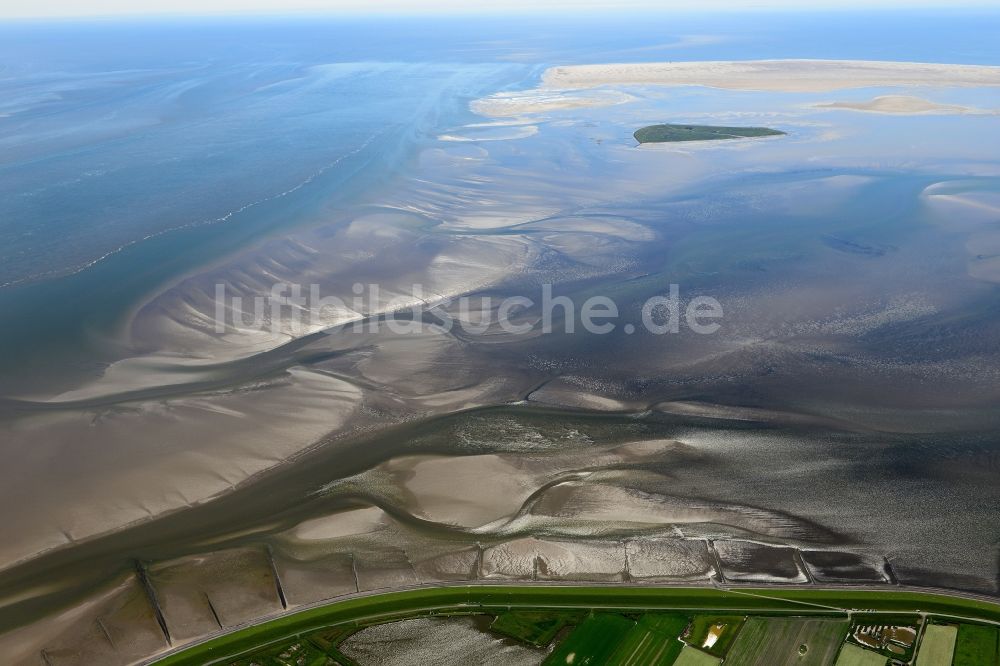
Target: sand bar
[[774, 75], [903, 104]]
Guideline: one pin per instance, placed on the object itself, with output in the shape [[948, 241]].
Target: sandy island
[[774, 75], [578, 86]]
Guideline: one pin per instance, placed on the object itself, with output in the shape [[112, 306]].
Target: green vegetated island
[[643, 627], [673, 133]]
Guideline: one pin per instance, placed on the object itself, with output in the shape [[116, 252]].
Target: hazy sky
[[39, 8]]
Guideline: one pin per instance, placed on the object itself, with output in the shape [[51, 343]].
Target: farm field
[[852, 655], [593, 641], [777, 641], [536, 628], [977, 645], [937, 646], [692, 657], [653, 640]]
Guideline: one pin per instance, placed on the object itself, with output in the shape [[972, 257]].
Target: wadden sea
[[839, 425]]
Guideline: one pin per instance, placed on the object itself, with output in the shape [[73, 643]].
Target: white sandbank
[[904, 105], [773, 75]]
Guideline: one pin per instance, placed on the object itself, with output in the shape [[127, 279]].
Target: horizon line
[[581, 10]]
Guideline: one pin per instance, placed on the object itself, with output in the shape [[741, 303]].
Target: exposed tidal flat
[[829, 432]]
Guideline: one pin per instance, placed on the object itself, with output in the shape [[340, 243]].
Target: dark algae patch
[[672, 133]]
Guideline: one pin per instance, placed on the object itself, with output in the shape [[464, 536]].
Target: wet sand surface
[[826, 432]]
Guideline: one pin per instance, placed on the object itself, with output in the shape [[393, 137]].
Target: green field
[[536, 628], [672, 133], [854, 655], [653, 640], [937, 646], [692, 657], [769, 641], [702, 624], [593, 641], [496, 599], [977, 645], [614, 640]]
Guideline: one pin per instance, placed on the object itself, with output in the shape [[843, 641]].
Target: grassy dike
[[389, 606]]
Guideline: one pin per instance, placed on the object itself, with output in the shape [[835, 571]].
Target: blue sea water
[[132, 152]]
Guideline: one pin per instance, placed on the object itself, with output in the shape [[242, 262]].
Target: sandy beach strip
[[773, 75]]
